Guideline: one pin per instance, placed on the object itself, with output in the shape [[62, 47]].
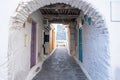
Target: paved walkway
[[60, 66]]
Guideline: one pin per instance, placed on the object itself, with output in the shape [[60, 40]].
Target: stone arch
[[25, 8]]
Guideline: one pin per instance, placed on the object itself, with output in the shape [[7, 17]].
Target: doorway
[[80, 55], [33, 45], [61, 36]]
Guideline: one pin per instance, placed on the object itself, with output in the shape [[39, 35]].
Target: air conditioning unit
[[45, 22]]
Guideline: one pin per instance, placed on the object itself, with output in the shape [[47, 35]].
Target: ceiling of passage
[[59, 13]]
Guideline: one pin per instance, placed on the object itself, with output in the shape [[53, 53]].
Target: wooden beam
[[58, 6], [64, 21], [60, 16]]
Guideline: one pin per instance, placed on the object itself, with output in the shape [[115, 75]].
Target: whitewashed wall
[[115, 49], [19, 64], [95, 52], [115, 39], [6, 12], [114, 32]]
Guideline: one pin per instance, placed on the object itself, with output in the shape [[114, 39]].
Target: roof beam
[[56, 8], [60, 16], [61, 21]]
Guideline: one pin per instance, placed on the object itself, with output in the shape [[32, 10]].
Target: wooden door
[[33, 45], [80, 55], [53, 40]]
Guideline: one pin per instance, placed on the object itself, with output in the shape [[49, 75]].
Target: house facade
[[91, 37]]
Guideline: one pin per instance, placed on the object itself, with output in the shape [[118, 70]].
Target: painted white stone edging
[[33, 71]]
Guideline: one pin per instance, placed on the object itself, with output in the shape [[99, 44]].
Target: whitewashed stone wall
[[19, 55], [102, 57], [95, 42], [96, 59]]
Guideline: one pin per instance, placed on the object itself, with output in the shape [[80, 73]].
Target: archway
[[95, 36]]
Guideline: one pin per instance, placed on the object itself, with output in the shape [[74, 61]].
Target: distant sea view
[[61, 32]]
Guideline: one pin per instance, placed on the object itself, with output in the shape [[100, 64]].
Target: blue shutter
[[85, 17], [89, 21]]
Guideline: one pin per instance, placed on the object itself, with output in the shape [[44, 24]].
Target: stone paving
[[60, 66]]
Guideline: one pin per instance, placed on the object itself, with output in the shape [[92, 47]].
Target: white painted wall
[[114, 35], [95, 44], [115, 49], [115, 41], [104, 7], [21, 58], [7, 8], [19, 63]]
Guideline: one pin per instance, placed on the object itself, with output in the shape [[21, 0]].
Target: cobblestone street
[[60, 66]]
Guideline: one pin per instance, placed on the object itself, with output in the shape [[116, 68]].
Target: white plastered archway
[[25, 8]]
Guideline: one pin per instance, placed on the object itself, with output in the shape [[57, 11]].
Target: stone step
[[60, 66]]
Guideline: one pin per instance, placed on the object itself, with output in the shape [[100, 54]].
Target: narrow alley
[[59, 27], [60, 66]]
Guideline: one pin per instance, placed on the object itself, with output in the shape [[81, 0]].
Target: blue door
[[80, 56]]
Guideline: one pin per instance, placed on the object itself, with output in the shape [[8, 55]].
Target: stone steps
[[60, 66]]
